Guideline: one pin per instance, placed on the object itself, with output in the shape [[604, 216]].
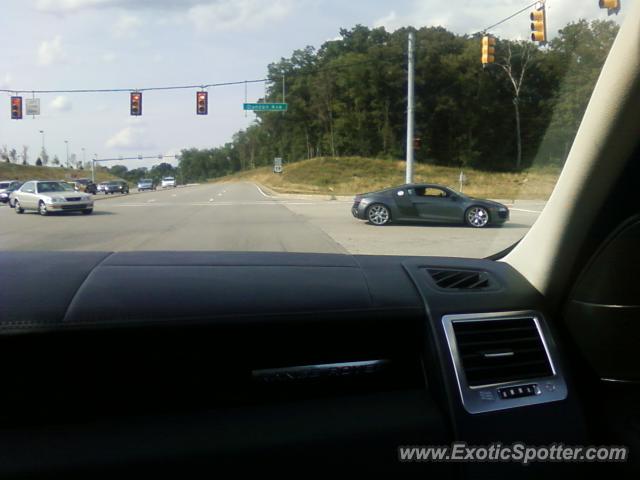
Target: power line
[[506, 19], [147, 89]]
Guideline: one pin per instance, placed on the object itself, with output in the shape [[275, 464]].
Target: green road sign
[[267, 107]]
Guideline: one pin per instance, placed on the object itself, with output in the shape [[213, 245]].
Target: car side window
[[29, 187], [435, 192]]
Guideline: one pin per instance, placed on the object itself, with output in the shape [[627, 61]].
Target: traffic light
[[612, 6], [136, 104], [488, 49], [16, 108], [202, 103], [539, 25]]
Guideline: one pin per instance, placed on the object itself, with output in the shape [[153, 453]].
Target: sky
[[130, 44]]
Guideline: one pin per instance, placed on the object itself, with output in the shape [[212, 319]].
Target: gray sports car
[[427, 203]]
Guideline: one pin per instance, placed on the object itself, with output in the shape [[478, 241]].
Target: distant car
[[86, 185], [6, 187], [146, 184], [116, 186], [102, 186], [427, 203], [169, 182], [50, 196]]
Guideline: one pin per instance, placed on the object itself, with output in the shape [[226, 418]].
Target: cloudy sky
[[76, 44]]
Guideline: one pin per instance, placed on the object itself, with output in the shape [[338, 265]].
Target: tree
[[25, 154], [39, 162], [4, 154], [13, 155], [517, 79], [56, 160]]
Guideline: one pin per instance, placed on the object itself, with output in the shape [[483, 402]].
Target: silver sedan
[[50, 196]]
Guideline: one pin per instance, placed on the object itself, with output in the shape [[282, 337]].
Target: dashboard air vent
[[460, 279], [501, 351]]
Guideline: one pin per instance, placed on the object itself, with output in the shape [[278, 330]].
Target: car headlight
[[54, 200], [4, 195]]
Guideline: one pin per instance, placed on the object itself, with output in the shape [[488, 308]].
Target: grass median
[[350, 175]]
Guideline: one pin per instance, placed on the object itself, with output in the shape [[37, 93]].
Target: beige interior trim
[[606, 139]]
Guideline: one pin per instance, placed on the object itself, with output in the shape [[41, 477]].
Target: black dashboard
[[158, 361]]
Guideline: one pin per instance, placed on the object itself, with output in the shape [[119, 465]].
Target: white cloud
[[109, 57], [5, 80], [51, 51], [70, 5], [131, 137], [126, 26], [236, 14], [60, 104]]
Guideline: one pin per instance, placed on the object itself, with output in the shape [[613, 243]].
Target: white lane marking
[[261, 192], [211, 199], [219, 194], [526, 211], [151, 201], [219, 204], [174, 195]]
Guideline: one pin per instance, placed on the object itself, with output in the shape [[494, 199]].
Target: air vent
[[501, 351], [460, 279]]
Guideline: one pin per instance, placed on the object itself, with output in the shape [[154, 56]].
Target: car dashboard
[[154, 361]]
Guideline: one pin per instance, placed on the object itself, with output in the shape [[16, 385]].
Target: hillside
[[12, 171], [350, 175]]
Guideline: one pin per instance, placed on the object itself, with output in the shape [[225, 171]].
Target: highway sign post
[[266, 107], [32, 106], [277, 165]]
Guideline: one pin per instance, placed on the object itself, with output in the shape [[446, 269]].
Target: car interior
[[187, 364]]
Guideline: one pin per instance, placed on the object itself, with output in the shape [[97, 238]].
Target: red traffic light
[[136, 103], [202, 103], [16, 108]]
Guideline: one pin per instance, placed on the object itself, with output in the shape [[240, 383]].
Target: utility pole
[[66, 142], [93, 168], [410, 107]]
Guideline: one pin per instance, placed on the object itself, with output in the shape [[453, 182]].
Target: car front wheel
[[477, 217], [42, 209], [378, 214], [88, 211], [18, 207]]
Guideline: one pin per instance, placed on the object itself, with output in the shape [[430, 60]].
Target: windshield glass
[[45, 187], [5, 185], [362, 127]]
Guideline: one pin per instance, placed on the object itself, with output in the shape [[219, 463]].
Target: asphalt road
[[242, 217]]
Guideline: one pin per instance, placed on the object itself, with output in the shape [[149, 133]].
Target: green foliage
[[348, 98]]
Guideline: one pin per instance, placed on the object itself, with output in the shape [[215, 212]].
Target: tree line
[[348, 97]]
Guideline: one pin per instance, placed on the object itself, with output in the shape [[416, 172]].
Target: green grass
[[12, 171], [350, 175]]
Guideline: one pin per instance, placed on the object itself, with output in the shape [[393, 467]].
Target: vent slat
[[519, 338], [459, 279]]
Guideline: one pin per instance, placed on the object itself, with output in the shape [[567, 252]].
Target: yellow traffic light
[[136, 104], [539, 25], [613, 6], [488, 49]]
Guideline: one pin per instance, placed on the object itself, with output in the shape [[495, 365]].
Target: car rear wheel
[[42, 209], [477, 217], [18, 207], [88, 211], [378, 214]]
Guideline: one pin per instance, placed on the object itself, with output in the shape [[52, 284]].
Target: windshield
[[363, 127], [46, 187]]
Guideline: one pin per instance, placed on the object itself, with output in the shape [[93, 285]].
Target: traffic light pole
[[410, 108]]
